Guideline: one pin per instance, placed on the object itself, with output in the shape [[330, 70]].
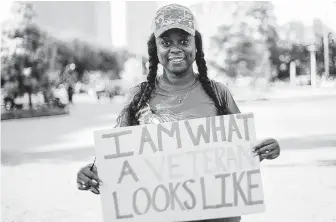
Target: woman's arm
[[268, 148], [225, 97], [87, 176]]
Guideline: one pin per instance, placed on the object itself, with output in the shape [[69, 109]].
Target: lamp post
[[293, 73], [312, 49], [29, 85]]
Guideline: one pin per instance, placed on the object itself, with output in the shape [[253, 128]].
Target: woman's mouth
[[176, 60]]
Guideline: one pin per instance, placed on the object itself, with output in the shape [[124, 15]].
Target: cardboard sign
[[180, 171]]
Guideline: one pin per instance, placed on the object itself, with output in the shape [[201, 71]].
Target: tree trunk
[[30, 100], [46, 98]]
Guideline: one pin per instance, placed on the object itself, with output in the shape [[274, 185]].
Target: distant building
[[87, 20], [139, 16]]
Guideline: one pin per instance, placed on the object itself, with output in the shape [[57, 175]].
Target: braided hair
[[203, 76], [148, 87]]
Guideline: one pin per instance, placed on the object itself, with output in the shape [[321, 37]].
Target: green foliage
[[293, 47], [252, 44], [20, 41], [332, 54], [49, 59], [87, 57], [243, 46]]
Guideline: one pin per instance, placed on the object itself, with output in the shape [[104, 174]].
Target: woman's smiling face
[[176, 50]]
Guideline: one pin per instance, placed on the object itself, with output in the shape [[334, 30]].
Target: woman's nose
[[175, 49]]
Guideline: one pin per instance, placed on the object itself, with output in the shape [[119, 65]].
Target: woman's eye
[[165, 43], [185, 42]]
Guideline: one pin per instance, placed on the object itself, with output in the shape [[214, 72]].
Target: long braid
[[203, 75], [146, 88]]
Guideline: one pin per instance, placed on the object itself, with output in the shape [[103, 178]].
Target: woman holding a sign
[[180, 93]]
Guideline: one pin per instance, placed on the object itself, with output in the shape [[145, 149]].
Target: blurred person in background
[[70, 92], [179, 93]]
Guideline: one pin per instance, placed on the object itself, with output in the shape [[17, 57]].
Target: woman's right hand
[[88, 179]]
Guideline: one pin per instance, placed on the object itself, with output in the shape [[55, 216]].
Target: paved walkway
[[282, 93]]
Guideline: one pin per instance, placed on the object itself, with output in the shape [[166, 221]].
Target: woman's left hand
[[267, 149]]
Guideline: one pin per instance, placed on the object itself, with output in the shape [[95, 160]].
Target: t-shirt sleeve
[[123, 119], [225, 96]]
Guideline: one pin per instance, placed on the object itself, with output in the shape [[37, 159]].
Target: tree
[[292, 46], [332, 53], [34, 61], [88, 57], [20, 42], [320, 52], [242, 48]]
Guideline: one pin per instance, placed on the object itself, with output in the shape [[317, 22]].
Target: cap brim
[[163, 29]]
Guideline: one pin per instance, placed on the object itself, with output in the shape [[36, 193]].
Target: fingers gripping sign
[[87, 179], [267, 149]]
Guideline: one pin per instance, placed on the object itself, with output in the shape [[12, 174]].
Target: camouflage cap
[[174, 16]]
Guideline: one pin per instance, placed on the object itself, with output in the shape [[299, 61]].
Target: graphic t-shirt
[[174, 103]]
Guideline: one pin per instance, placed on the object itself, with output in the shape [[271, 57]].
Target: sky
[[4, 9], [285, 11], [305, 11]]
